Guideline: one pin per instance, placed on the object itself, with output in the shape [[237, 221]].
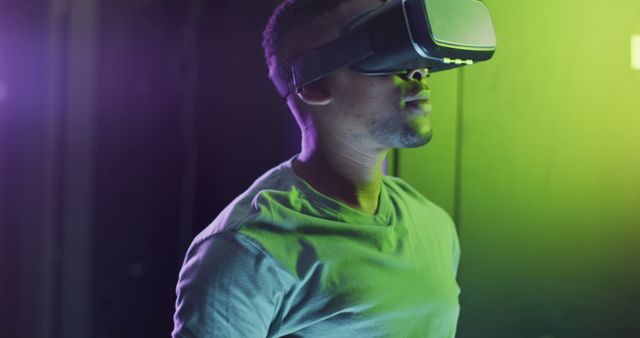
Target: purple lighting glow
[[4, 92]]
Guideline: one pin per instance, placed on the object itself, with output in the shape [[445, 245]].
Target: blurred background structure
[[126, 126]]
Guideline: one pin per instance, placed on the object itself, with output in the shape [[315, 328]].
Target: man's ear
[[316, 93]]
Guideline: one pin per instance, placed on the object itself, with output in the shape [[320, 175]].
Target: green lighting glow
[[538, 157]]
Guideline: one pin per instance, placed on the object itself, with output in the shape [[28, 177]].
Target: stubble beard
[[398, 132]]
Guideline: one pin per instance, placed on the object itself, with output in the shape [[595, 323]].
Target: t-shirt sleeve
[[455, 243], [456, 252], [227, 287]]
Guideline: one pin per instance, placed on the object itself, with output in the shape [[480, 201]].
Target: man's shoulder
[[402, 190], [245, 209], [398, 186]]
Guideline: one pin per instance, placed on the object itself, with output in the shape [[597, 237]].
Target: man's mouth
[[420, 97], [418, 101]]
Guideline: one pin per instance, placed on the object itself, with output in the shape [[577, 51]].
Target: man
[[325, 245]]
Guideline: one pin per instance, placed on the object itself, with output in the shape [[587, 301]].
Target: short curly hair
[[294, 25]]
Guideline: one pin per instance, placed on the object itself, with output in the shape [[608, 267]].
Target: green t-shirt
[[285, 260]]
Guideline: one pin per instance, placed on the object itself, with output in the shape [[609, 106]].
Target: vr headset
[[398, 36]]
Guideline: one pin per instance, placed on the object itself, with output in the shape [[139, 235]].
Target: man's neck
[[353, 177]]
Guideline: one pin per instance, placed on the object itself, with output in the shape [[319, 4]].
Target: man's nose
[[416, 74]]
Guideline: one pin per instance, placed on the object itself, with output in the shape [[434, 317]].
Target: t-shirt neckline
[[338, 209]]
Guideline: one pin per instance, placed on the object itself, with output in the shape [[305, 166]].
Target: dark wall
[[185, 119]]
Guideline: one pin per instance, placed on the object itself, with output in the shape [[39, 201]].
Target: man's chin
[[404, 134], [417, 133], [415, 140]]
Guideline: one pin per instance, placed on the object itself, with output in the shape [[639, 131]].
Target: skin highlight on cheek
[[400, 83], [421, 125]]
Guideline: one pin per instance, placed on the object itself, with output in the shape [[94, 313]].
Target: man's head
[[369, 112]]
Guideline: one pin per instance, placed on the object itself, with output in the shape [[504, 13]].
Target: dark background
[[125, 128], [127, 125]]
